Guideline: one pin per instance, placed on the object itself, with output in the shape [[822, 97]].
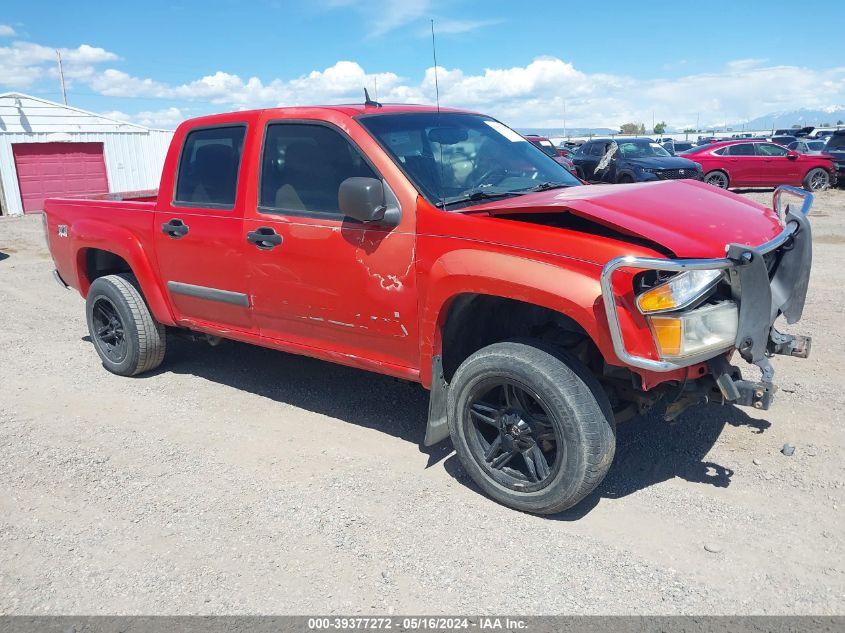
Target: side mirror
[[792, 155], [364, 199]]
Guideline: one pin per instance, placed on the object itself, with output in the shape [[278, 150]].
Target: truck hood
[[687, 217]]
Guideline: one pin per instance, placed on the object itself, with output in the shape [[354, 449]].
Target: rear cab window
[[207, 174]]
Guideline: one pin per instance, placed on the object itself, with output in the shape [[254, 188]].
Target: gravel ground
[[241, 480]]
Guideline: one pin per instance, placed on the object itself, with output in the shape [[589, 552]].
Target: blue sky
[[607, 62]]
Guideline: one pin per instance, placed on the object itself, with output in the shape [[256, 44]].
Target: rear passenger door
[[741, 162], [198, 232], [587, 157], [320, 280]]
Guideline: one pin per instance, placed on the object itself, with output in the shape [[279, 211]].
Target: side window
[[208, 167], [597, 149], [722, 151], [742, 149], [302, 168], [769, 149]]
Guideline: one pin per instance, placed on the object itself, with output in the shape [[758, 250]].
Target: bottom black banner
[[524, 624]]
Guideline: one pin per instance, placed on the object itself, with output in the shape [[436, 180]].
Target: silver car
[[807, 146]]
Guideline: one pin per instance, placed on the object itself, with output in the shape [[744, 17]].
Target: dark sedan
[[631, 160]]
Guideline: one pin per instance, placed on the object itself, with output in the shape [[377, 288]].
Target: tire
[[625, 179], [555, 402], [127, 338], [717, 178], [817, 179]]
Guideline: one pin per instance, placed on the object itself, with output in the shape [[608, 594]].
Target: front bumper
[[668, 174], [762, 297]]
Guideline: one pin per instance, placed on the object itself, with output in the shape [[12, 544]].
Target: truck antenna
[[434, 54], [370, 102]]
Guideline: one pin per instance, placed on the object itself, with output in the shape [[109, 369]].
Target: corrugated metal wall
[[133, 159]]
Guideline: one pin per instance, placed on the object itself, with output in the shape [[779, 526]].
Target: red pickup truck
[[441, 247]]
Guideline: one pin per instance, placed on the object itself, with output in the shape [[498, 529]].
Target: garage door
[[47, 170]]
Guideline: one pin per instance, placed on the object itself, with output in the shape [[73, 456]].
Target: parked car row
[[814, 160], [562, 156]]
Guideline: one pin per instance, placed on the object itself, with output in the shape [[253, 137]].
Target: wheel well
[[99, 263], [475, 321]]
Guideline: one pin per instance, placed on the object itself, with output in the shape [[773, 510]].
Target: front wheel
[[817, 179], [531, 426], [125, 334], [717, 179]]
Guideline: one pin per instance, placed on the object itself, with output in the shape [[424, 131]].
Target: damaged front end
[[707, 308]]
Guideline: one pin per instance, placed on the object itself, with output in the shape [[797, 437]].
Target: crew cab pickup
[[439, 246]]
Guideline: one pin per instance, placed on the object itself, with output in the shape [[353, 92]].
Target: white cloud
[[531, 95], [6, 31], [455, 27], [22, 63], [166, 118], [384, 16]]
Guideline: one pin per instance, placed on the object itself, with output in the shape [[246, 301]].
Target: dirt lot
[[241, 480]]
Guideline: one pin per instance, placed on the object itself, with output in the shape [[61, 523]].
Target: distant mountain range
[[571, 131], [802, 117]]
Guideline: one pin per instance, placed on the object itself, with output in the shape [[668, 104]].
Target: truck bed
[[121, 223]]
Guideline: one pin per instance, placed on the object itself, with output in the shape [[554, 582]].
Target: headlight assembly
[[711, 328], [679, 292]]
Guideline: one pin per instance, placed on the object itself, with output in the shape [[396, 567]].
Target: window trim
[[209, 205], [752, 155], [778, 145], [325, 215]]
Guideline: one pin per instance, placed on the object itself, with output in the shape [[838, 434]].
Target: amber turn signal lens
[[667, 335], [657, 299]]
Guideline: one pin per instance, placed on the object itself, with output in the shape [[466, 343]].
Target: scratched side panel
[[338, 285]]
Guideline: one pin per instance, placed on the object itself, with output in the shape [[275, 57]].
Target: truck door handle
[[264, 238], [175, 228]]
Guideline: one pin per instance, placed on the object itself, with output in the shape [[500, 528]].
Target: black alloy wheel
[[109, 332], [511, 436]]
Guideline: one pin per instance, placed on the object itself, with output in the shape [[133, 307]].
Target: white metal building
[[49, 149]]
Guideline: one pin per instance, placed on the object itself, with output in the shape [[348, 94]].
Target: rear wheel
[[717, 178], [127, 338], [531, 426], [817, 179]]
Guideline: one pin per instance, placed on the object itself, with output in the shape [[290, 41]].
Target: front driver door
[[776, 166], [320, 280]]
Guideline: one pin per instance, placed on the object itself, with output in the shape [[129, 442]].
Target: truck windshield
[[456, 160]]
